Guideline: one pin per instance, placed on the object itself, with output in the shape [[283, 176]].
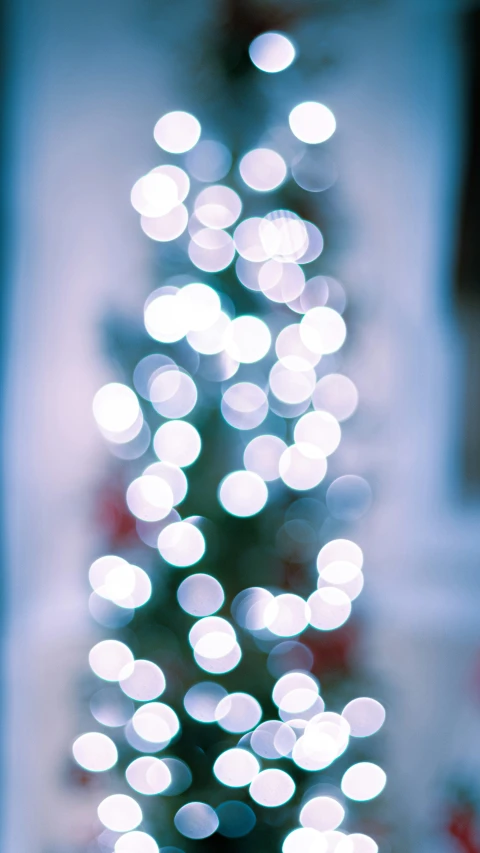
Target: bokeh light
[[363, 781], [357, 843], [322, 813], [148, 775], [272, 52], [238, 712], [236, 819], [201, 701], [272, 788], [312, 122], [136, 842], [244, 405], [196, 820], [142, 680], [95, 752], [243, 493], [329, 608], [177, 132], [302, 466], [109, 658], [200, 595], [177, 442], [323, 330], [181, 544], [263, 169], [364, 715], [349, 497], [247, 339], [304, 840], [236, 768], [262, 456], [120, 813], [209, 161], [336, 394]]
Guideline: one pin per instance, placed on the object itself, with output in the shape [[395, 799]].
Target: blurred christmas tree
[[233, 659]]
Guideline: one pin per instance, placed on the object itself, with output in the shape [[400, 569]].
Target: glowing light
[[200, 304], [329, 608], [357, 843], [181, 777], [211, 250], [247, 339], [249, 608], [293, 681], [243, 493], [209, 161], [365, 716], [149, 498], [312, 122], [322, 813], [281, 282], [117, 411], [119, 813], [351, 588], [288, 656], [143, 681], [238, 712], [272, 52], [314, 244], [136, 842], [283, 235], [219, 665], [154, 195], [320, 429], [196, 820], [177, 442], [272, 788], [287, 615], [212, 637], [168, 227], [349, 497], [314, 170], [336, 394], [218, 206], [339, 550], [262, 456], [177, 132], [323, 330], [244, 405], [236, 819], [210, 340], [363, 781], [173, 476], [314, 295], [95, 752], [164, 318], [173, 394], [236, 768], [108, 658], [181, 544], [148, 775], [156, 722], [200, 595], [263, 169], [291, 350], [248, 242], [292, 386], [273, 739], [304, 840], [201, 701], [302, 466]]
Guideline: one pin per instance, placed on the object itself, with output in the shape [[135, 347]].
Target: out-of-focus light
[[336, 394], [304, 840], [218, 206], [143, 681], [148, 775], [363, 781], [349, 497], [236, 768], [330, 608], [108, 658], [314, 244], [119, 813], [149, 498], [312, 122], [154, 195], [292, 352], [95, 752], [287, 615], [196, 820], [181, 544], [211, 250], [243, 493], [211, 625], [236, 819], [281, 282], [272, 788], [200, 595], [177, 442], [244, 405], [357, 843], [262, 455], [210, 341], [320, 429], [322, 813], [117, 411], [200, 304], [340, 550], [247, 339], [283, 235], [156, 722], [292, 386], [272, 52], [293, 681], [302, 466], [178, 176], [219, 665], [314, 170], [248, 240], [263, 169], [249, 608], [173, 476], [201, 701], [209, 161], [177, 132], [238, 712], [365, 716], [164, 318], [173, 394], [181, 777], [136, 842], [168, 227], [110, 707], [323, 330], [351, 588], [314, 295], [273, 739]]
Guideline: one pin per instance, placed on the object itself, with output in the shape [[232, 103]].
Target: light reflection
[[336, 394], [196, 820], [262, 456], [142, 680], [108, 659], [209, 161], [272, 52], [202, 699], [322, 813], [238, 712], [243, 493], [272, 788], [200, 595], [312, 122], [263, 169], [329, 608], [218, 206], [181, 544], [320, 429], [304, 840], [244, 405], [177, 132], [136, 842], [363, 781], [247, 339], [365, 716], [177, 442], [119, 813], [302, 466], [236, 768], [148, 775], [95, 752]]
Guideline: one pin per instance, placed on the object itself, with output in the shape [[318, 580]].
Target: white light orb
[[249, 607], [302, 466], [200, 595], [200, 304], [119, 813], [320, 429], [156, 722], [287, 615], [273, 739], [168, 227], [210, 341], [116, 409], [177, 132], [283, 235], [322, 813], [272, 788], [201, 701], [365, 716], [293, 681], [181, 777], [323, 330], [262, 456], [247, 339], [272, 52], [219, 665], [304, 840], [95, 752], [177, 442], [196, 820], [248, 240], [314, 244], [291, 351], [263, 169], [218, 206], [211, 250], [178, 176], [136, 842], [173, 476], [148, 775], [312, 122], [142, 680], [236, 768], [154, 195], [363, 781], [243, 493], [336, 394], [238, 712], [357, 843], [329, 608], [209, 161], [149, 498], [181, 544], [351, 588], [349, 497], [244, 405], [164, 319], [289, 385], [173, 394], [281, 282], [108, 658]]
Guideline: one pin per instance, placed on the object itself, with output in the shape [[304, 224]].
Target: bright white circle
[[148, 775], [136, 842], [177, 442], [340, 550], [336, 394], [243, 493], [149, 498], [271, 52], [302, 466], [116, 408], [142, 680], [322, 813], [363, 781], [329, 608], [320, 429], [196, 820], [108, 658], [236, 768], [244, 405], [200, 595], [173, 394], [247, 339], [357, 843], [263, 169], [202, 699], [177, 132], [238, 712], [218, 206], [181, 544], [154, 195], [165, 228], [262, 456], [95, 752], [287, 615], [323, 330], [200, 305], [272, 788], [312, 122], [119, 813], [272, 739], [304, 840], [365, 716]]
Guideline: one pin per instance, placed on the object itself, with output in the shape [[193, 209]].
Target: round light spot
[[272, 788], [293, 681], [365, 716], [218, 206], [340, 550], [320, 429], [287, 615], [236, 768], [302, 466], [272, 52], [291, 350], [177, 132], [119, 813], [200, 595], [116, 410], [173, 394], [143, 681], [283, 235], [211, 250], [110, 707], [164, 319], [349, 497], [262, 456], [281, 282], [196, 820], [108, 658], [243, 493], [236, 819], [247, 339], [323, 330], [201, 701], [148, 775], [200, 305], [314, 170], [219, 665], [244, 405], [312, 122], [357, 843], [209, 161], [181, 777], [156, 722], [177, 442], [248, 241], [238, 712], [149, 498], [181, 544], [263, 169], [136, 842], [273, 739], [287, 656], [329, 608], [210, 340], [322, 813], [304, 840], [95, 752], [336, 394], [249, 607], [292, 385], [363, 781], [168, 227], [154, 195]]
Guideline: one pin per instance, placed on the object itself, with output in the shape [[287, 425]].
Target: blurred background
[[86, 83]]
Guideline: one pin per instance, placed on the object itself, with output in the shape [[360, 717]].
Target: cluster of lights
[[271, 255]]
